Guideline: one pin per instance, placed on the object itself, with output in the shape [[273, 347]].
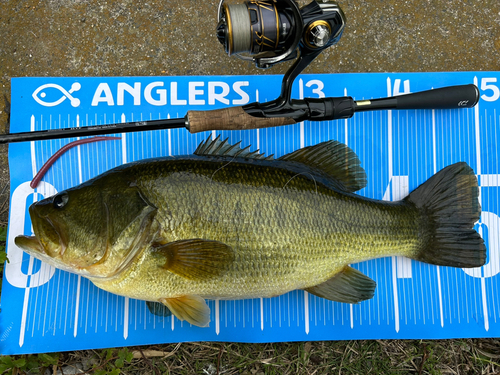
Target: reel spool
[[265, 30]]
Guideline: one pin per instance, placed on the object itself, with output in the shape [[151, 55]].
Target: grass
[[344, 357]]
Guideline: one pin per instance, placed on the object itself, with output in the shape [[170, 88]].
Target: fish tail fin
[[449, 207]]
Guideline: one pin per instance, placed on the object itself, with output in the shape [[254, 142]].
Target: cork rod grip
[[234, 118]]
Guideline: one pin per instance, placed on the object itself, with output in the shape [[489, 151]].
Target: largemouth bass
[[226, 223]]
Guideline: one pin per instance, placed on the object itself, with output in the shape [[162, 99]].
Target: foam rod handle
[[464, 96], [233, 118]]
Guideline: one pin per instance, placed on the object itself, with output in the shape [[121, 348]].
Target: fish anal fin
[[196, 259], [348, 286], [190, 308]]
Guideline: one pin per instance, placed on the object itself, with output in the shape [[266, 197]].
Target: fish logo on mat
[[39, 95]]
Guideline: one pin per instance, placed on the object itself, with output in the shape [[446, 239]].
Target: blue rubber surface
[[43, 309]]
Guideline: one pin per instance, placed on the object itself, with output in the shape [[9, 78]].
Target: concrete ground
[[177, 37]]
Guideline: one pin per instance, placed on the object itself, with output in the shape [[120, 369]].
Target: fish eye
[[61, 200]]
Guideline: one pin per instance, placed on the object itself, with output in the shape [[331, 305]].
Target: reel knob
[[318, 34]]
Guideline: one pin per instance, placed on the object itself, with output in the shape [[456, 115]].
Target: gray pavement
[[174, 37]]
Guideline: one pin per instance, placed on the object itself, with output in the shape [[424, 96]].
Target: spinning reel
[[271, 31]]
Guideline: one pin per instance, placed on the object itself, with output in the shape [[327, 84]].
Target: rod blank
[[87, 131]]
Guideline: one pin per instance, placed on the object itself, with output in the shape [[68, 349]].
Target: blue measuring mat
[[45, 310]]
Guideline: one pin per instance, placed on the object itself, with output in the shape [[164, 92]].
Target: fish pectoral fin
[[190, 308], [196, 259], [348, 286], [158, 309]]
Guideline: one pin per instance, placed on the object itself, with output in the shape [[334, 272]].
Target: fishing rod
[[268, 32]]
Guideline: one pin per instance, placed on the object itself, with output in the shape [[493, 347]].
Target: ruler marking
[[477, 122], [217, 317], [261, 314], [306, 311]]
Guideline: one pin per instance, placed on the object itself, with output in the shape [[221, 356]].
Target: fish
[[228, 223]]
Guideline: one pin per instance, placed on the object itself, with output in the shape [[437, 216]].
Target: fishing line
[[240, 38], [224, 166], [303, 173]]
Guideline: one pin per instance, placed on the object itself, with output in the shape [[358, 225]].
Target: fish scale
[[296, 230]]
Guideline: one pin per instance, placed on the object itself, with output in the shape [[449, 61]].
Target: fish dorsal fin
[[348, 286], [334, 159], [191, 308], [217, 147], [196, 259]]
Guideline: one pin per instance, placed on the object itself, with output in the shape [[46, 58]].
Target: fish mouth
[[50, 237], [30, 244]]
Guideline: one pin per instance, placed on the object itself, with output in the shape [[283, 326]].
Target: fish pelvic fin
[[335, 161], [196, 259], [449, 208], [158, 309], [348, 286], [190, 308]]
